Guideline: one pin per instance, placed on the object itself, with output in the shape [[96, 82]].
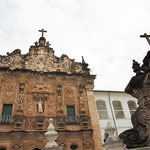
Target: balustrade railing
[[72, 120], [6, 119]]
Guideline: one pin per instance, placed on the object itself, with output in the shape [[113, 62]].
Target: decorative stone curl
[[136, 137]]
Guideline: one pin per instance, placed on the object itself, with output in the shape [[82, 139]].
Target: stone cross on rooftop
[[147, 37], [42, 32]]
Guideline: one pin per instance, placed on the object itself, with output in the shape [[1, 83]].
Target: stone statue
[[40, 107]]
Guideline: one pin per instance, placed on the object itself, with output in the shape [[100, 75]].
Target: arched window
[[118, 109], [132, 106], [102, 109]]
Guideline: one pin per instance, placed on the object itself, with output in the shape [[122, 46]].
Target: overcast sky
[[105, 32]]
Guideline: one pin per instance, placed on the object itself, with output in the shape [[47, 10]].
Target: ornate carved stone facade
[[38, 86]]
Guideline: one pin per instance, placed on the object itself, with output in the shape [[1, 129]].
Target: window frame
[[120, 110], [100, 111]]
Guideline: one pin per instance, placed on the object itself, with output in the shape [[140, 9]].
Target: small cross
[[36, 43], [48, 44], [146, 36], [42, 32]]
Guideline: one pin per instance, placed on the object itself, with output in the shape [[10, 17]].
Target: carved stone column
[[60, 111], [19, 105]]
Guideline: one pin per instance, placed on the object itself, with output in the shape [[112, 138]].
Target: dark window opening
[[6, 117], [72, 119]]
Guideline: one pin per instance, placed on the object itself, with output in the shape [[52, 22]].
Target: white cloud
[[105, 32]]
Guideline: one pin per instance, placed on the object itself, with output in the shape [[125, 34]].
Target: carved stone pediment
[[41, 58]]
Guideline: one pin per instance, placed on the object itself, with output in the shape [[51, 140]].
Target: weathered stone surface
[[41, 58], [40, 86], [139, 87]]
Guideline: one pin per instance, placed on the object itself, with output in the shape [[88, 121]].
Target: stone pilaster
[[94, 117]]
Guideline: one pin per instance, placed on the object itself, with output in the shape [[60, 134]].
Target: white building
[[115, 107]]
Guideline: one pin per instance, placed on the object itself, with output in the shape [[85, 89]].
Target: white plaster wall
[[108, 97]]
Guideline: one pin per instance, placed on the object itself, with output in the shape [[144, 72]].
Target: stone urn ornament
[[51, 135]]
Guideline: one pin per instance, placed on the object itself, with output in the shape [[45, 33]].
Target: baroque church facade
[[37, 86]]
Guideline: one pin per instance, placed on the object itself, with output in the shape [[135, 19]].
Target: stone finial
[[51, 135], [109, 133], [112, 141]]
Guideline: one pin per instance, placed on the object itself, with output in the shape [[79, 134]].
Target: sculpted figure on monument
[[40, 106], [139, 87]]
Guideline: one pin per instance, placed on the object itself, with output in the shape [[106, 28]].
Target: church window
[[70, 111], [102, 109], [132, 106], [6, 117], [71, 117], [118, 110]]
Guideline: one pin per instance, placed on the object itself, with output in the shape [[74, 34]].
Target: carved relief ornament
[[41, 58], [19, 103], [82, 99]]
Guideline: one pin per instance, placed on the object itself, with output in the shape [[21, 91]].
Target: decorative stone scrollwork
[[51, 105], [69, 95], [147, 104], [41, 58], [17, 147], [30, 123], [87, 144], [137, 136], [9, 92], [29, 105]]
